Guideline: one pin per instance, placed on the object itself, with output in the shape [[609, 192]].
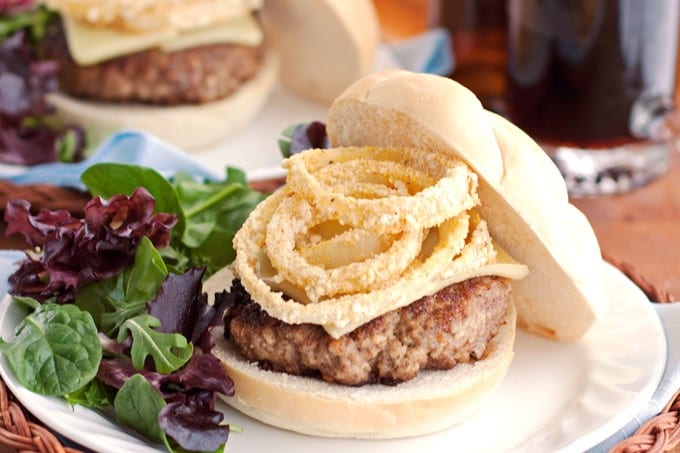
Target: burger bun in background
[[316, 48], [325, 45]]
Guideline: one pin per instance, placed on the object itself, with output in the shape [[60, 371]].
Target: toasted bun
[[151, 15], [189, 127], [433, 401], [325, 44], [524, 198]]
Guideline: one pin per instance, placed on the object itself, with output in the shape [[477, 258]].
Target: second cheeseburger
[[372, 298], [189, 71]]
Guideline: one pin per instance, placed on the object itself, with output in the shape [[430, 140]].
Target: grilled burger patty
[[189, 76], [435, 332]]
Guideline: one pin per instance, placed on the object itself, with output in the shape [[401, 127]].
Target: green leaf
[[169, 351], [35, 22], [108, 179], [285, 139], [28, 302], [114, 300], [214, 212], [93, 395], [55, 349], [137, 405]]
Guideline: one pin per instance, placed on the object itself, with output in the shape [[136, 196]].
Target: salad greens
[[208, 213], [117, 317], [29, 132], [302, 136], [55, 349]]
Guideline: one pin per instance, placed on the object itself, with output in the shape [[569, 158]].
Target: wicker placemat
[[19, 430]]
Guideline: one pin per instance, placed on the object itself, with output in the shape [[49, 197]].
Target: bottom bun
[[189, 127], [433, 401]]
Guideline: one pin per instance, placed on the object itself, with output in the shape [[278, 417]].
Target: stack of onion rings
[[357, 232]]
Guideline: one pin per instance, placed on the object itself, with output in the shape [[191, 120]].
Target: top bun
[[524, 198], [151, 15]]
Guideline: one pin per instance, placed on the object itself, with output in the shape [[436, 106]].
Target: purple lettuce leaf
[[25, 80], [180, 305], [307, 136], [76, 251], [192, 421], [203, 372], [189, 418]]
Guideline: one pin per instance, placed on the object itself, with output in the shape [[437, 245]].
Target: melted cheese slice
[[89, 45], [503, 266]]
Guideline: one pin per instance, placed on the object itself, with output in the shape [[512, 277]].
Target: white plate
[[556, 396]]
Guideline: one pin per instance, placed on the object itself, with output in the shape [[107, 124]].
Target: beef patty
[[189, 76], [435, 332]]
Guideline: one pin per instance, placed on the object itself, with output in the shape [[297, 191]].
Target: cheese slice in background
[[243, 30], [89, 45]]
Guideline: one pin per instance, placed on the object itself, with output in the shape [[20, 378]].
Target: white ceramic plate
[[556, 397]]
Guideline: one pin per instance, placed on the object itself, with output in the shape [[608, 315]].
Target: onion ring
[[453, 192], [358, 232], [294, 217]]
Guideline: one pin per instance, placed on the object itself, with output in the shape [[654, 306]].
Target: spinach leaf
[[93, 395], [55, 349], [169, 351], [137, 405], [114, 300], [214, 212], [108, 179]]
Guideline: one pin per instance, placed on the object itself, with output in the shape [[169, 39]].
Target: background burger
[[410, 353], [188, 71]]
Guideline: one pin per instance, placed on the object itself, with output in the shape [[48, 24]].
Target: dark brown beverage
[[577, 68], [478, 37]]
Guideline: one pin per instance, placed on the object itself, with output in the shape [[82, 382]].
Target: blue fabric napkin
[[430, 52], [132, 147]]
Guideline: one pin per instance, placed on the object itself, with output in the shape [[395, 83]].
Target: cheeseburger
[[376, 295], [189, 71]]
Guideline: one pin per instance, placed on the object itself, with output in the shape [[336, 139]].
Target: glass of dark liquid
[[593, 81]]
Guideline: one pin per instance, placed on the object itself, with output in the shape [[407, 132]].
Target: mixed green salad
[[29, 131], [116, 317]]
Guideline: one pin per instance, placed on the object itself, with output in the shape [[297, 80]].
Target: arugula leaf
[[55, 349], [108, 179], [114, 300], [169, 351], [137, 405]]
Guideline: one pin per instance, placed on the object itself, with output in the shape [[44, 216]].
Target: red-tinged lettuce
[[300, 137], [189, 417], [27, 136], [181, 306], [192, 421], [74, 251], [203, 372]]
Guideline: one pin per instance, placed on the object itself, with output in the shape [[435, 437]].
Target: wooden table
[[642, 228]]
